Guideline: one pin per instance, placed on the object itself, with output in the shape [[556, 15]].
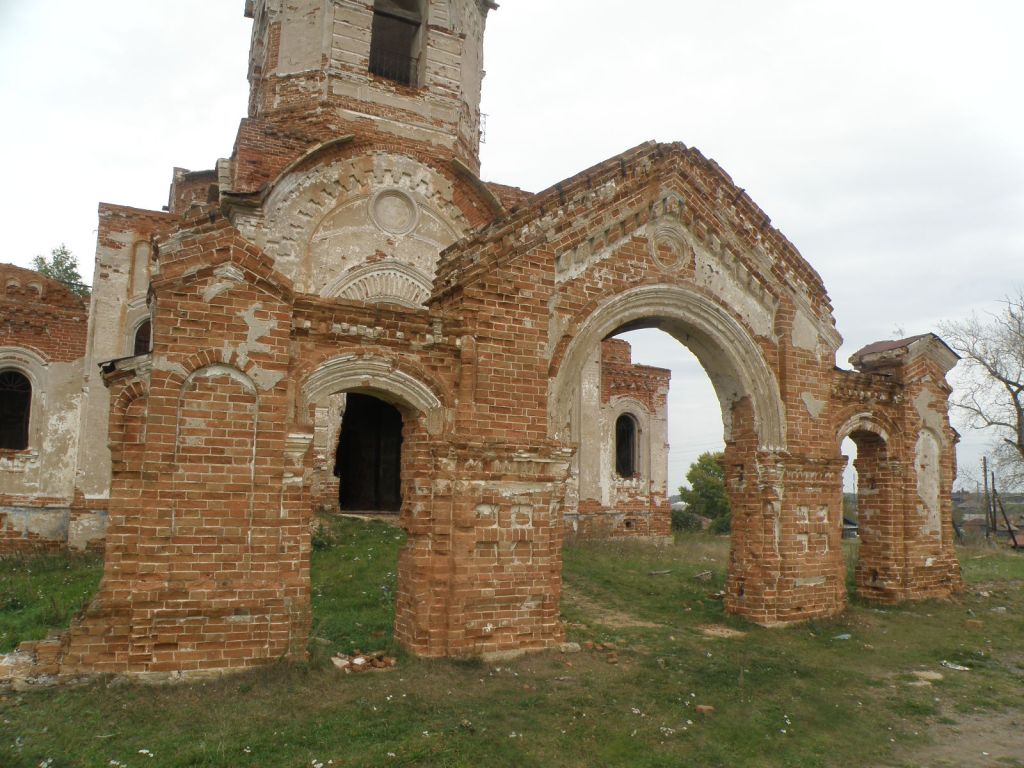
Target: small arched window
[[395, 40], [143, 338], [15, 407], [626, 459]]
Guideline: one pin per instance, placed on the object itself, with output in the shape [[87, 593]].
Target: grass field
[[39, 592], [841, 692]]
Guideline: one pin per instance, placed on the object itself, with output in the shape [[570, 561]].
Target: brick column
[[786, 562], [482, 571]]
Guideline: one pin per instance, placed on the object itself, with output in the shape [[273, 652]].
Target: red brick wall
[[208, 566], [51, 321], [207, 563]]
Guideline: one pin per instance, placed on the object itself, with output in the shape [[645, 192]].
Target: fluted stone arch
[[377, 376], [322, 223], [390, 282]]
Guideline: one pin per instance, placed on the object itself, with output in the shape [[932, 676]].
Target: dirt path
[[602, 614], [976, 741]]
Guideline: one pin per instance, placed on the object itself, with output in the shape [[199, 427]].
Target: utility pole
[[988, 505]]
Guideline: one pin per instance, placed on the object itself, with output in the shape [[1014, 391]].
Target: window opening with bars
[[15, 407]]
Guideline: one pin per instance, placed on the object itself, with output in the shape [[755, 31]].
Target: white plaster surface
[[926, 464]]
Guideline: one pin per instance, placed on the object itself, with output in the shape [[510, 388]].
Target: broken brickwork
[[42, 350], [349, 246]]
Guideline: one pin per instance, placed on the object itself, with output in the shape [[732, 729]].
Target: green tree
[[706, 494], [62, 266]]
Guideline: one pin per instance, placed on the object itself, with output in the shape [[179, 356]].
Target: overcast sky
[[885, 138]]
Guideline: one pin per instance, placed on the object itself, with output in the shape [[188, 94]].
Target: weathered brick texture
[[349, 247], [43, 340]]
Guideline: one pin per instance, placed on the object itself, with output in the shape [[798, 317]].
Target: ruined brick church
[[342, 315]]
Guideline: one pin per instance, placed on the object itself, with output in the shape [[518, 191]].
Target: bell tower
[[409, 69]]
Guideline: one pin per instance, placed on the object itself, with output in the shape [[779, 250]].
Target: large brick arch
[[727, 351], [659, 251], [756, 425]]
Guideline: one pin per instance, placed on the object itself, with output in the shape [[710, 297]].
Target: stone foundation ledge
[[24, 528], [35, 664]]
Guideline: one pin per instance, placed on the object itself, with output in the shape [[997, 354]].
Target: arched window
[[395, 40], [626, 459], [143, 339], [15, 407]]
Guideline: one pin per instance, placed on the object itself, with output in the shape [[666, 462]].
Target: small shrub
[[685, 521], [721, 524], [11, 602], [323, 538]]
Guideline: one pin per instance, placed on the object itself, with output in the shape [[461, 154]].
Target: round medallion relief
[[394, 211], [669, 247]]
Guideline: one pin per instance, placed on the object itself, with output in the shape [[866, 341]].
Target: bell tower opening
[[395, 40], [412, 65], [369, 456]]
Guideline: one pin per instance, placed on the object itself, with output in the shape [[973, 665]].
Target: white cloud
[[883, 138]]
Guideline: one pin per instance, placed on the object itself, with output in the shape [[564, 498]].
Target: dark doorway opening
[[369, 457]]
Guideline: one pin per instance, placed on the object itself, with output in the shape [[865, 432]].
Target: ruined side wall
[[932, 566], [43, 337], [896, 410], [123, 267], [207, 563]]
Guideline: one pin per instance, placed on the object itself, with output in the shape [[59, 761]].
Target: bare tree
[[991, 389]]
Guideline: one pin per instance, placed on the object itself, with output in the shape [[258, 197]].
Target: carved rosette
[[670, 246], [394, 211]]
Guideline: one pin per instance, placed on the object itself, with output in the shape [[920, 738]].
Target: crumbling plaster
[[321, 225], [305, 275], [47, 468]]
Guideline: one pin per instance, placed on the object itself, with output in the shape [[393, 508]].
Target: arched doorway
[[878, 533], [368, 459], [364, 396], [754, 426]]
